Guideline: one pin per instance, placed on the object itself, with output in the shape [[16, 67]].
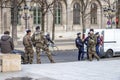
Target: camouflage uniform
[[92, 47], [29, 53], [40, 42]]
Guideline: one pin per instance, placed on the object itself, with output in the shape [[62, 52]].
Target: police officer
[[92, 46], [28, 47], [79, 45], [40, 42]]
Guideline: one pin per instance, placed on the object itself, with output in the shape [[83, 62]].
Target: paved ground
[[60, 56], [67, 67], [65, 56], [85, 70]]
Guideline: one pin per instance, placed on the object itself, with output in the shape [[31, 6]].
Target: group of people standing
[[92, 41], [39, 41]]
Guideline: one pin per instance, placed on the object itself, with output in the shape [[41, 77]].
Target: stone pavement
[[83, 70]]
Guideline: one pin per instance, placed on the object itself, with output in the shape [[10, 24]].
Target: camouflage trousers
[[92, 53], [38, 52], [29, 53]]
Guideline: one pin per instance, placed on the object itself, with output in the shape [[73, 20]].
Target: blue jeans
[[97, 50], [80, 53]]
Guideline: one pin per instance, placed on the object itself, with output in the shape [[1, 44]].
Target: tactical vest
[[38, 37]]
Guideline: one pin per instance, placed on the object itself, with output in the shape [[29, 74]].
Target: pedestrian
[[98, 43], [48, 38], [92, 46], [40, 42], [29, 53], [86, 43], [6, 43], [79, 45]]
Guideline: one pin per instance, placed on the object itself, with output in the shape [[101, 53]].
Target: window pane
[[59, 21], [37, 16], [58, 13], [76, 13], [55, 20], [34, 20], [39, 20]]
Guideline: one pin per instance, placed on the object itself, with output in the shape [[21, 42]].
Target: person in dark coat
[[6, 43], [79, 45], [86, 43], [98, 43], [49, 39]]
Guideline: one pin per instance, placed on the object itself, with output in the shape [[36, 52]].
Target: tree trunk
[[43, 16], [14, 23], [53, 28], [43, 21], [83, 26]]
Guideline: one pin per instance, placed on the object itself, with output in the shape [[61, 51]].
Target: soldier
[[40, 42], [28, 47], [92, 46], [79, 45]]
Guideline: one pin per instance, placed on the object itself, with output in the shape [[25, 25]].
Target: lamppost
[[26, 16], [110, 13]]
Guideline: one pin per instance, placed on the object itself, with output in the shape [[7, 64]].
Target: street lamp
[[110, 13], [26, 16]]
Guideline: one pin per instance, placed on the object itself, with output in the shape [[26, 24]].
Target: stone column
[[69, 18]]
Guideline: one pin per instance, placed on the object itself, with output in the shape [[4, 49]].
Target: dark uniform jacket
[[86, 40], [78, 42]]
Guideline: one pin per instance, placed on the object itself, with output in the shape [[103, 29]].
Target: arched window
[[76, 13], [93, 13], [37, 16], [58, 13]]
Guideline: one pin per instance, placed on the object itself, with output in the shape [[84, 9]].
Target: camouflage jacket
[[27, 41], [92, 41], [39, 39]]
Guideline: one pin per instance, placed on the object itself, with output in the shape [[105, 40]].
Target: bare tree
[[13, 5], [44, 6], [52, 10], [84, 12], [110, 10]]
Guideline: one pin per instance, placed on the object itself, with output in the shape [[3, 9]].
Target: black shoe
[[98, 59]]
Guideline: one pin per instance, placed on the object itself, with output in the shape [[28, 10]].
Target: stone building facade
[[68, 17]]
